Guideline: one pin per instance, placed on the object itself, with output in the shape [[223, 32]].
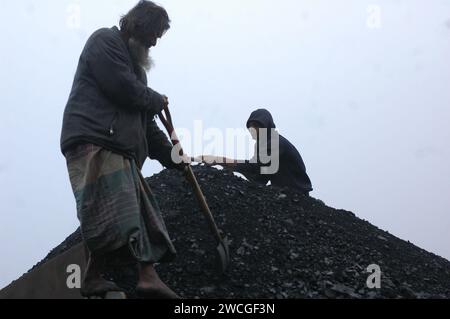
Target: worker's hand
[[166, 100], [186, 159], [185, 162], [165, 103]]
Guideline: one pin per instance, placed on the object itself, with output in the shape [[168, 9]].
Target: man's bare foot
[[94, 285], [150, 286], [98, 287]]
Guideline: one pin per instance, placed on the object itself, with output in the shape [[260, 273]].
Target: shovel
[[223, 252]]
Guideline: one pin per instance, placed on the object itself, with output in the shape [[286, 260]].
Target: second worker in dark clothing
[[291, 170]]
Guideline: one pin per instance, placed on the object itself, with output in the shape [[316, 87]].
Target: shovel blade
[[223, 254]]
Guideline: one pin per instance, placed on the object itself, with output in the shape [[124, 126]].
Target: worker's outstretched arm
[[252, 171], [216, 160]]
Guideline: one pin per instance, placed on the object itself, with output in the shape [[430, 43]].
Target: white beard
[[140, 54]]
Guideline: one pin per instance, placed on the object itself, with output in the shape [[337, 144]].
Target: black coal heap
[[283, 245]]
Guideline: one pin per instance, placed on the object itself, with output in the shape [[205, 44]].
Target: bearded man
[[108, 132]]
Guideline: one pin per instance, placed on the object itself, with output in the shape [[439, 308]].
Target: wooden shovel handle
[[190, 176]]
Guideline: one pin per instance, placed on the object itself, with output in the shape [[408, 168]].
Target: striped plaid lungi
[[115, 205]]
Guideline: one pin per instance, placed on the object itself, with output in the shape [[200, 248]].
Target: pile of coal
[[283, 245]]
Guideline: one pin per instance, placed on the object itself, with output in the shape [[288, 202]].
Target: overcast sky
[[360, 87]]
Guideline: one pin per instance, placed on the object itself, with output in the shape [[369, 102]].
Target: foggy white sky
[[367, 104]]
